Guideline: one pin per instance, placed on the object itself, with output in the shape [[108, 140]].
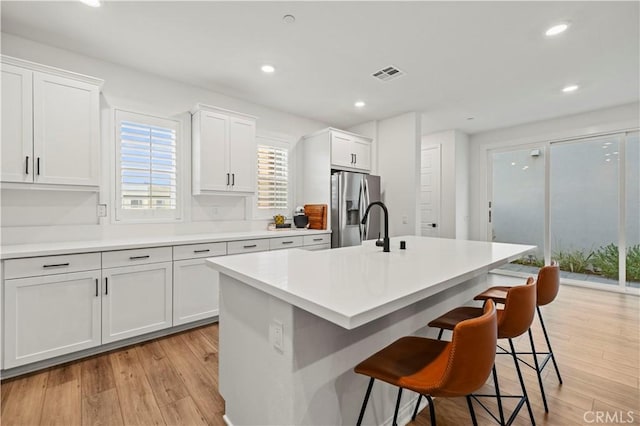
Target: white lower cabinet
[[50, 315], [136, 300], [195, 291]]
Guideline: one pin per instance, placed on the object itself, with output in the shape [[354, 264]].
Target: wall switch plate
[[405, 219], [102, 210], [276, 335]]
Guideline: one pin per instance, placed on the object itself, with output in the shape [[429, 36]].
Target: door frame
[[439, 185]]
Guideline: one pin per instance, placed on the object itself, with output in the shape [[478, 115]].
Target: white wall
[[623, 117], [454, 181], [399, 149], [40, 215]]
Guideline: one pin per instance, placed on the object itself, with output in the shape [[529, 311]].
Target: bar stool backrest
[[473, 351], [519, 310], [548, 284]]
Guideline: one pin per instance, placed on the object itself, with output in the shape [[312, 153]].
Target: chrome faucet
[[385, 241]]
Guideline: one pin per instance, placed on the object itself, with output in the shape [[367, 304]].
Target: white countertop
[[352, 286], [68, 247]]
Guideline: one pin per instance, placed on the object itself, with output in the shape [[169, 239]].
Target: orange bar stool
[[513, 321], [434, 368], [547, 285]]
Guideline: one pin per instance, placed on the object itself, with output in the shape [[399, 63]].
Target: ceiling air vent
[[388, 73]]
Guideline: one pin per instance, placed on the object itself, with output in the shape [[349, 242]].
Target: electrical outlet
[[405, 219], [102, 210], [276, 335]]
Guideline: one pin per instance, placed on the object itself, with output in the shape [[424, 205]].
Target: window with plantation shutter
[[147, 172], [273, 177]]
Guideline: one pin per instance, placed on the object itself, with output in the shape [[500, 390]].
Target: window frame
[[147, 215], [281, 143]]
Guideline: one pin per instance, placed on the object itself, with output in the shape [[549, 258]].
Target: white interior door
[[430, 161]]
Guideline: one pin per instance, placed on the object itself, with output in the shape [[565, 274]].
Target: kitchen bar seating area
[[167, 379]]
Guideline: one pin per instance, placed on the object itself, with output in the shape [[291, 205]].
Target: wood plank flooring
[[174, 380]]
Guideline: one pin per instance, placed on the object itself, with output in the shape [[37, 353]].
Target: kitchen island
[[293, 324]]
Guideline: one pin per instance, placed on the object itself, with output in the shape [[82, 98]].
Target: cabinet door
[[136, 300], [341, 151], [242, 154], [210, 152], [66, 130], [195, 291], [362, 155], [50, 315], [17, 125]]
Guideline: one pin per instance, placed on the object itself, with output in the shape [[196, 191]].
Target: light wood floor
[[596, 336]]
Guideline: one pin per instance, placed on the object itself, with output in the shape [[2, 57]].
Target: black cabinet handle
[[55, 265], [38, 166], [351, 158], [233, 179], [287, 242], [317, 239], [202, 251], [227, 179], [355, 158], [96, 287], [106, 285], [26, 165], [138, 257], [251, 246]]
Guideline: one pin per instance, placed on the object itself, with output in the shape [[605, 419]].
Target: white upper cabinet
[[350, 151], [17, 124], [223, 151], [51, 125]]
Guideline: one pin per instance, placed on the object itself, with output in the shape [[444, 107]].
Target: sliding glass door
[[584, 208], [578, 201]]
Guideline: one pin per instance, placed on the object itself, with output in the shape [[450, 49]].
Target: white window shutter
[[273, 177]]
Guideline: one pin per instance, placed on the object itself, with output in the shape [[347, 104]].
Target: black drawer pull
[[251, 246], [287, 242], [317, 239], [26, 165], [138, 257], [56, 265], [202, 251]]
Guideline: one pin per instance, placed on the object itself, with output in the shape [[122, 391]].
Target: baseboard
[[226, 420], [406, 410]]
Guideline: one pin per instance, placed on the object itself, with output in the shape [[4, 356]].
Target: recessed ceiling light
[[359, 104], [92, 3], [557, 29], [571, 88], [289, 19], [268, 68]]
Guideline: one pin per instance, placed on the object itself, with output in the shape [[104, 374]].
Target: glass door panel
[[632, 231], [517, 203], [584, 209]]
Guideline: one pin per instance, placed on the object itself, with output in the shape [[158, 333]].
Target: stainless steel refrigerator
[[351, 193]]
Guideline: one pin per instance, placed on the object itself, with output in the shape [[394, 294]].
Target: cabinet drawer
[[285, 242], [247, 246], [112, 259], [194, 251], [310, 240], [48, 265]]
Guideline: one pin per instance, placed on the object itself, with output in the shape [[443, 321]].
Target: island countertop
[[352, 286]]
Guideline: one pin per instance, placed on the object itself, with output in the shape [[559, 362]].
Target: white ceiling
[[488, 60]]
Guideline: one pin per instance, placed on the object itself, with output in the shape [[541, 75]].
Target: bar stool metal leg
[[538, 372], [546, 337], [415, 411], [471, 411], [524, 389], [498, 397], [364, 403], [432, 410], [395, 413]]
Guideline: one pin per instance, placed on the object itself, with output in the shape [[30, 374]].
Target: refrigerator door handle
[[365, 198]]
